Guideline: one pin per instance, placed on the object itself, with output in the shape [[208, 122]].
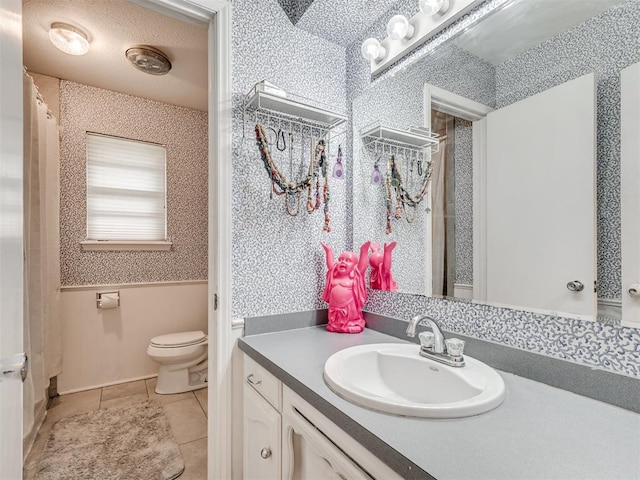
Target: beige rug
[[116, 443]]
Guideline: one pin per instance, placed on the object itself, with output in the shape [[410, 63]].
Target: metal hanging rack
[[272, 104], [294, 138], [411, 151], [414, 138]]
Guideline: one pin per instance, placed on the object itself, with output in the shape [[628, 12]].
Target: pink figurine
[[381, 277], [346, 290]]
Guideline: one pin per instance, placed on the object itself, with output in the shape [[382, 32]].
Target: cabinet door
[[262, 438], [309, 455]]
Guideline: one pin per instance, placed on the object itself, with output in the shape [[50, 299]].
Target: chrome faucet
[[438, 337], [444, 351]]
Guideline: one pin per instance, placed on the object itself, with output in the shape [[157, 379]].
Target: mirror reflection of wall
[[497, 63]]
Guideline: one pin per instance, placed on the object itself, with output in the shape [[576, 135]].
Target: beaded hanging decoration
[[281, 186], [404, 199]]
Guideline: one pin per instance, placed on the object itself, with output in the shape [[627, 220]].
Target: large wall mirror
[[524, 203]]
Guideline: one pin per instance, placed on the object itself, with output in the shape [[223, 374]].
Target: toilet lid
[[180, 339]]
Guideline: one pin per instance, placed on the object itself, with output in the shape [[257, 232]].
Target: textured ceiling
[[113, 26], [295, 8], [339, 21]]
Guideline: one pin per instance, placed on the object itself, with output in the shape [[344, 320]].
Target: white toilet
[[183, 361]]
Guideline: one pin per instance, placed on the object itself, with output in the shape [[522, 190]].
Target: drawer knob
[[265, 453], [252, 381]]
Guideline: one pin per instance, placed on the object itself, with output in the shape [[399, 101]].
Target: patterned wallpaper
[[278, 263], [609, 347], [184, 132], [463, 172]]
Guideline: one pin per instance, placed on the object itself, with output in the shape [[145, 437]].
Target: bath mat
[[132, 442]]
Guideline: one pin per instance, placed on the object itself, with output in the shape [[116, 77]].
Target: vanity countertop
[[539, 432]]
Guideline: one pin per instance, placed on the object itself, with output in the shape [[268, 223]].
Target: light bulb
[[434, 7], [399, 28], [68, 38], [372, 50]]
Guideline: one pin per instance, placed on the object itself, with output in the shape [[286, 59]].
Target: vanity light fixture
[[372, 50], [406, 35], [68, 39], [434, 7], [399, 28]]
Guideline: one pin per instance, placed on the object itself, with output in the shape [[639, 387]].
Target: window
[[126, 193]]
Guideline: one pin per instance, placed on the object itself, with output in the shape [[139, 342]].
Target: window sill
[[89, 245]]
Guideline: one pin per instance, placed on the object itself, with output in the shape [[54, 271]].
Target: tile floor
[[187, 414]]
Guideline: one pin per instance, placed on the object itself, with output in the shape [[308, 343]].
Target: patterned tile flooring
[[187, 414]]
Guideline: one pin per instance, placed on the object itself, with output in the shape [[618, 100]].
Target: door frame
[[11, 233], [450, 103], [217, 15]]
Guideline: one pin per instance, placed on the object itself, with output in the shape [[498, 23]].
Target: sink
[[394, 378]]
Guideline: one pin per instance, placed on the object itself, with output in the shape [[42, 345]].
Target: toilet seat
[[177, 340]]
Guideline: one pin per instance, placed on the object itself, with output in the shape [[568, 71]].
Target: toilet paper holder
[[107, 299]]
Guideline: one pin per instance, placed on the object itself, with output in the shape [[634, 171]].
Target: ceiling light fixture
[[372, 50], [434, 7], [148, 60], [68, 39], [399, 28]]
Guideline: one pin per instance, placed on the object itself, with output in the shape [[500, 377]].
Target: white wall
[[102, 347]]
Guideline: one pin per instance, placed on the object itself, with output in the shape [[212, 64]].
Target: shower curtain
[[42, 329]]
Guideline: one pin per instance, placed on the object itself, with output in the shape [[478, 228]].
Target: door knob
[[265, 453], [634, 290], [575, 286]]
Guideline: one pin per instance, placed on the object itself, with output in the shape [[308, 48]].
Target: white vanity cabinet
[[286, 438], [262, 394]]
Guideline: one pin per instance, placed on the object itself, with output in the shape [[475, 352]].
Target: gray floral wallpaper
[[463, 173], [278, 263], [598, 344], [184, 132]]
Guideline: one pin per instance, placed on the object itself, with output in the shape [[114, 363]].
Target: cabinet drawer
[[263, 382]]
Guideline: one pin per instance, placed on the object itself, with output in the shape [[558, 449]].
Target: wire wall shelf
[[267, 101], [413, 139]]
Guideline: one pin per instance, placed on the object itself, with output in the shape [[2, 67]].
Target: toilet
[[183, 361]]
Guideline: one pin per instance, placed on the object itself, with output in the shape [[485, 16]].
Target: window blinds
[[126, 189]]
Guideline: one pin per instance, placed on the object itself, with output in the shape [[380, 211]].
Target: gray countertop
[[539, 432]]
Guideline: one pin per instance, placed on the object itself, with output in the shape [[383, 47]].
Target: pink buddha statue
[[380, 277], [346, 289]]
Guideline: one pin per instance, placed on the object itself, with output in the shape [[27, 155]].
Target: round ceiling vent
[[148, 59]]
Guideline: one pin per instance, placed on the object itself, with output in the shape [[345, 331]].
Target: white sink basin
[[394, 378]]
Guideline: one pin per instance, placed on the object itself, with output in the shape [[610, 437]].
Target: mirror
[[521, 53]]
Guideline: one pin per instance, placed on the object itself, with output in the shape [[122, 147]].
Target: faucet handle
[[455, 346], [427, 339]]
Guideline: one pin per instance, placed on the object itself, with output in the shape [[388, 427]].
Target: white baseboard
[[109, 384], [463, 290]]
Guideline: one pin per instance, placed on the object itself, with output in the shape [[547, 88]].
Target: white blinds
[[126, 189]]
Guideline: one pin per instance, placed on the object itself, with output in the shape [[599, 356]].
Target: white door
[[630, 195], [10, 233], [541, 221]]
